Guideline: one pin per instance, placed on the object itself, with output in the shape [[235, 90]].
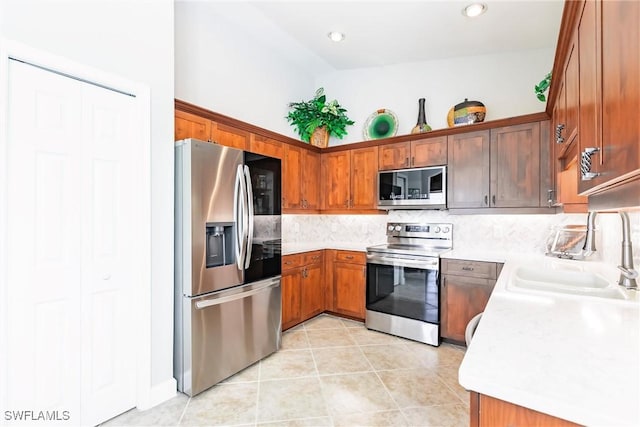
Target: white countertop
[[573, 357], [294, 248]]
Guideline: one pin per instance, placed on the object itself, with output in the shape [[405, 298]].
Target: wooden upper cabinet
[[394, 156], [300, 179], [291, 172], [349, 179], [266, 146], [468, 171], [620, 154], [429, 152], [188, 125], [364, 175], [336, 180], [600, 63], [572, 95], [413, 154], [515, 166], [229, 136], [310, 180]]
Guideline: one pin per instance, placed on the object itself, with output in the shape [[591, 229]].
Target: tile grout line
[[184, 411], [257, 407]]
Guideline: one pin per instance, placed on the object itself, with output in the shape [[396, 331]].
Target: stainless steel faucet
[[589, 246], [628, 275]]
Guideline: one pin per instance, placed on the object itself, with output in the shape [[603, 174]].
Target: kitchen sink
[[566, 282]]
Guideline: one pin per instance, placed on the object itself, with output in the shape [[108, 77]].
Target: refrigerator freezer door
[[204, 196], [226, 332]]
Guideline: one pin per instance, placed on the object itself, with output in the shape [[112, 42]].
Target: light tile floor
[[329, 372]]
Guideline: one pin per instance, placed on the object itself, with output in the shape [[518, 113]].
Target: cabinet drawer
[[351, 257], [487, 270], [291, 261], [310, 258]]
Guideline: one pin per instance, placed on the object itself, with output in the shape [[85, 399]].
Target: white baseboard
[[158, 394]]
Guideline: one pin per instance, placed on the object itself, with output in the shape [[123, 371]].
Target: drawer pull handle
[[467, 268], [349, 257], [288, 262]]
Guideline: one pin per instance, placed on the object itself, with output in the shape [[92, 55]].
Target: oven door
[[403, 285]]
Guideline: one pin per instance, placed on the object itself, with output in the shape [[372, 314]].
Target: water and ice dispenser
[[220, 244]]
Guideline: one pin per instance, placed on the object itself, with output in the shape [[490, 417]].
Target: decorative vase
[[319, 137], [422, 125], [467, 112]]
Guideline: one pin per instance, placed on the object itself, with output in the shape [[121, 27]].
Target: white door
[[72, 272]]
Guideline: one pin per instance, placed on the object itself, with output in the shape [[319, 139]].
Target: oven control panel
[[443, 231]]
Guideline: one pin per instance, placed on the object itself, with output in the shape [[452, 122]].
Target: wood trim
[[625, 195], [229, 121], [498, 211], [510, 121], [570, 15], [221, 118]]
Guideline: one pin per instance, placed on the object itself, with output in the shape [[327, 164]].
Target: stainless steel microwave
[[419, 188]]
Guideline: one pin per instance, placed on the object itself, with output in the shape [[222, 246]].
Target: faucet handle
[[629, 273]]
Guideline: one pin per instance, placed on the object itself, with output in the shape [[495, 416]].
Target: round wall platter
[[382, 123]]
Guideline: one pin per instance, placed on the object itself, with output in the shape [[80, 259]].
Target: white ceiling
[[382, 33]]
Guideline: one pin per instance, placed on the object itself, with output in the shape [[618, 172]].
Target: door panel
[[73, 174], [468, 170]]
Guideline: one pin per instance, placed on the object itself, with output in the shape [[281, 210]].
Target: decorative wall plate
[[382, 123]]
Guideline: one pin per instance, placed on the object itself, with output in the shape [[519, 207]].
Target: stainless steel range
[[403, 281]]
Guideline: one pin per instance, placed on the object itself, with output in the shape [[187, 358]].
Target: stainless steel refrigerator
[[227, 262]]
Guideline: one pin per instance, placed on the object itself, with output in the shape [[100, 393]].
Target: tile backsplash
[[514, 233]]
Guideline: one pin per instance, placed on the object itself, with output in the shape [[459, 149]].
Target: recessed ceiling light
[[336, 36], [474, 9]]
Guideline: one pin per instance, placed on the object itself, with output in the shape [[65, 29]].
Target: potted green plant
[[315, 120], [542, 87]]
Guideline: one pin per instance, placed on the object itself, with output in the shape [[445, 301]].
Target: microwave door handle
[[238, 214], [249, 214]]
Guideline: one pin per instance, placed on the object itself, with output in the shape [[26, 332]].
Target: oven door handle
[[431, 264]]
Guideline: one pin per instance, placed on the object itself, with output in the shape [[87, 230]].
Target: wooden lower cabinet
[[302, 287], [465, 289], [487, 411], [349, 281]]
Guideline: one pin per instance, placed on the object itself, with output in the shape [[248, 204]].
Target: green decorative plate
[[381, 124]]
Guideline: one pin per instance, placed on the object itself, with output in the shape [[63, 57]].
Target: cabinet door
[[572, 95], [394, 156], [620, 88], [429, 152], [291, 172], [266, 146], [462, 298], [336, 182], [364, 171], [515, 166], [468, 171], [349, 289], [312, 291], [310, 182], [189, 125], [291, 298], [229, 136]]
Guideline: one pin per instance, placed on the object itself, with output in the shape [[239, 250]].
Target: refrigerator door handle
[[236, 296], [250, 217], [238, 217]]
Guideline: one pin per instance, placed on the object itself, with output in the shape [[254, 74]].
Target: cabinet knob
[[550, 197], [406, 161], [486, 200], [413, 160], [493, 199], [346, 203]]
